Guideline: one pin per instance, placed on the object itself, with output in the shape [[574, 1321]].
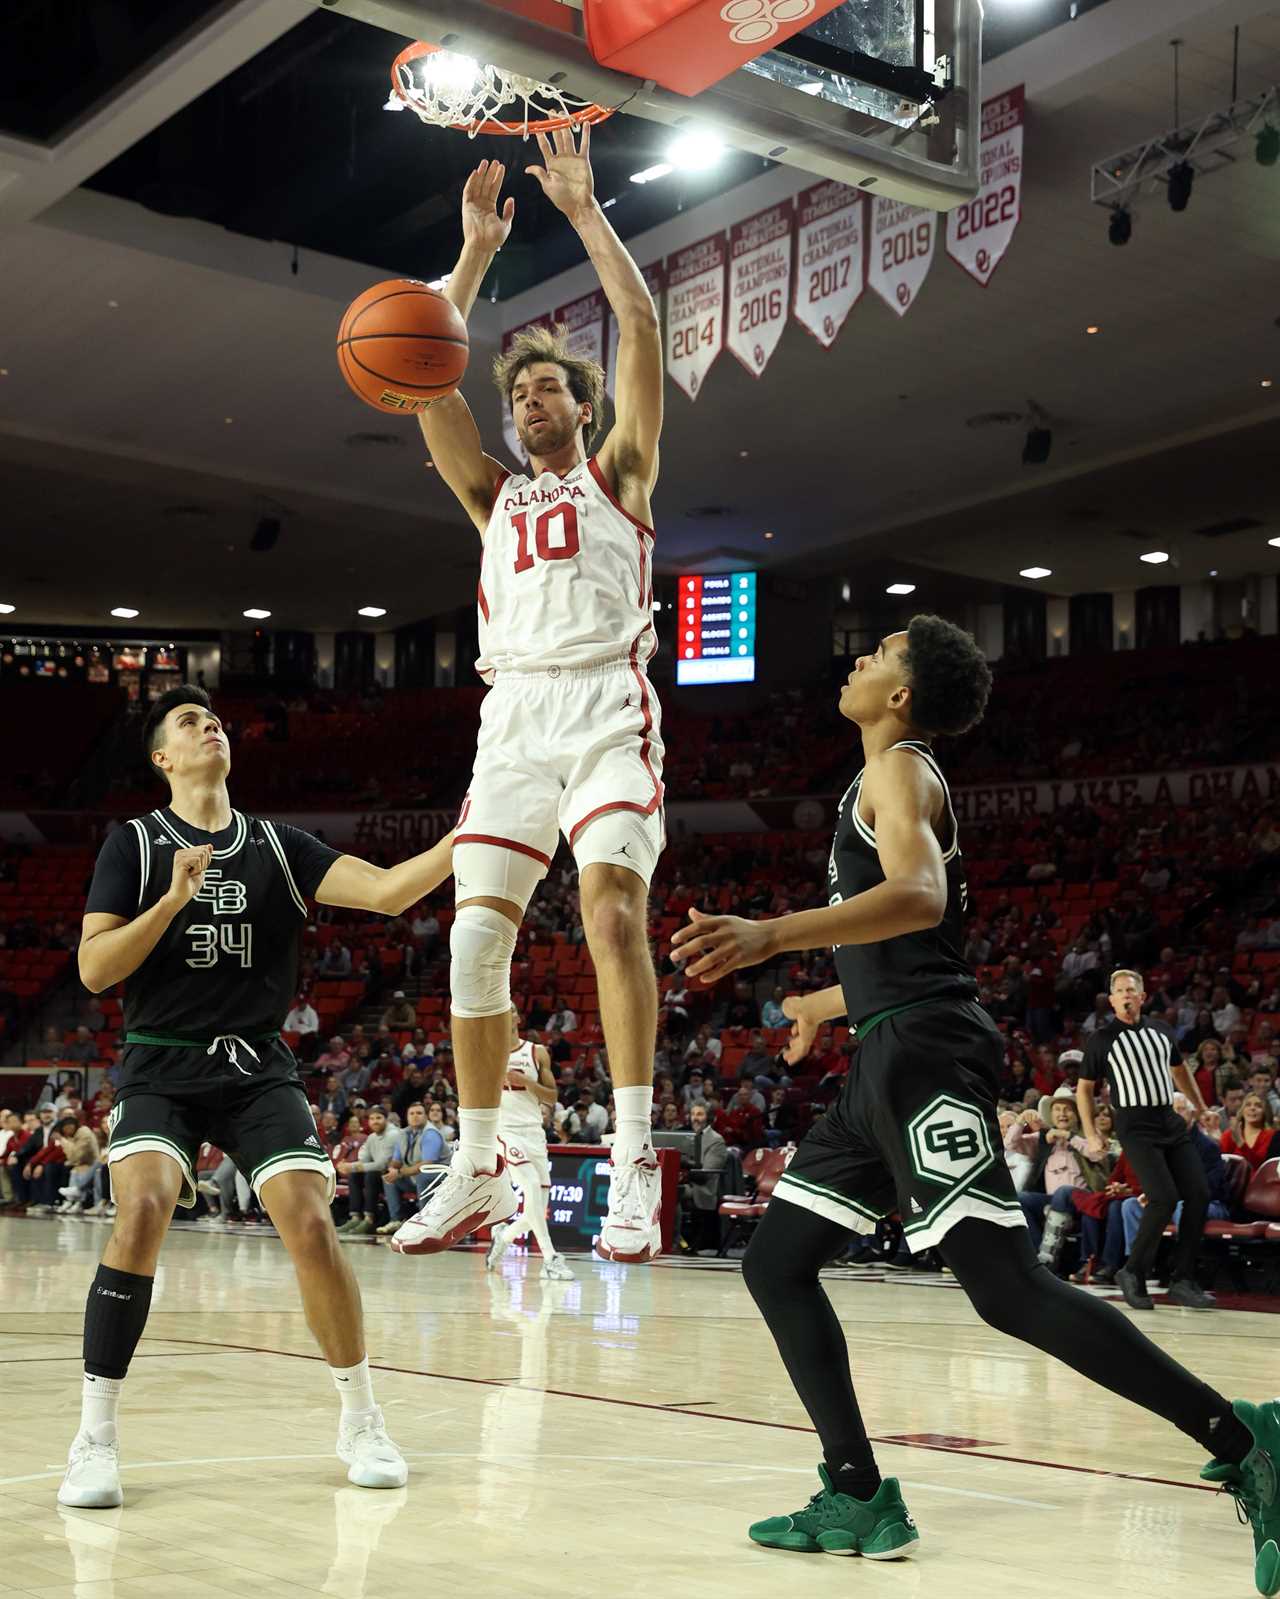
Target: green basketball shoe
[[833, 1523], [1255, 1486]]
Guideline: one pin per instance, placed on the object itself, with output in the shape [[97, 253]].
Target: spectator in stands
[[588, 1121], [562, 1016], [1190, 1038], [1262, 1081], [413, 1088], [977, 952], [700, 1194], [436, 1118], [81, 1050], [10, 1133], [399, 1014], [384, 1077], [558, 1046], [771, 1012], [336, 1057], [350, 1144], [27, 1177], [355, 1080], [1208, 1064], [426, 931], [676, 1003], [336, 961], [364, 1176], [1099, 1016], [742, 1010], [80, 1154], [1016, 1081], [1226, 1013], [779, 1119], [303, 1020], [1057, 1168], [101, 1105], [1251, 1133], [1236, 1052], [744, 1118], [757, 1062], [669, 1119], [328, 1129], [704, 1047], [418, 1146], [332, 1099], [694, 1086]]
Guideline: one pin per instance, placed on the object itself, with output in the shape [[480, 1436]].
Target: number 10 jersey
[[566, 577]]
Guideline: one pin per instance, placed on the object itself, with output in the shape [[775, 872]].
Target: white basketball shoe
[[464, 1200], [631, 1231], [364, 1446], [557, 1268], [92, 1481], [498, 1247]]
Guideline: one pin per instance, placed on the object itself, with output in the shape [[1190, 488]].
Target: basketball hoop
[[454, 91]]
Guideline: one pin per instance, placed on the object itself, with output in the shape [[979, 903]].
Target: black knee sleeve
[[119, 1302]]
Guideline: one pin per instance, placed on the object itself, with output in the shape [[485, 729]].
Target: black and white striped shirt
[[1136, 1060]]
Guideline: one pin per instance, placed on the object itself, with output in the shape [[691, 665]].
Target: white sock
[[634, 1108], [355, 1385], [99, 1400], [478, 1138], [535, 1209]]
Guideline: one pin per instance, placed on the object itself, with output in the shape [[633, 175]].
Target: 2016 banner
[[656, 283], [759, 284], [695, 311], [830, 269], [979, 233], [902, 242], [509, 434]]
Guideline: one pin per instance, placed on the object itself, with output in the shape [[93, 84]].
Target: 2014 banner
[[830, 258], [902, 242], [979, 233], [759, 284], [695, 311]]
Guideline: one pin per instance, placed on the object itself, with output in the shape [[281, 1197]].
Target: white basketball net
[[448, 90]]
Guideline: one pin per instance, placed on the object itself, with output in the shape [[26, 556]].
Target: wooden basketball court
[[611, 1435]]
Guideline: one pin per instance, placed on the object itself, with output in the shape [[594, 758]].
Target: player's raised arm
[[447, 424], [629, 455], [390, 890]]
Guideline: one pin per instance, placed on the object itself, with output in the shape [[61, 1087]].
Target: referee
[[1136, 1056]]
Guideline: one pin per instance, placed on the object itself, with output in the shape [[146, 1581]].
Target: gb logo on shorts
[[949, 1141]]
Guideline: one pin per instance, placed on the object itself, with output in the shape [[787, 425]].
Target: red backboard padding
[[687, 45]]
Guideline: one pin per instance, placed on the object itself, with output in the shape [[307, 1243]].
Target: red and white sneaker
[[632, 1232], [465, 1200]]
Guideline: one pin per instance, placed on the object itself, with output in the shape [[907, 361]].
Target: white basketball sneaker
[[374, 1461], [498, 1248], [631, 1231], [92, 1481], [464, 1200], [558, 1269]]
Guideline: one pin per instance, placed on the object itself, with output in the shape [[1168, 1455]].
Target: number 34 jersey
[[228, 961], [567, 575]]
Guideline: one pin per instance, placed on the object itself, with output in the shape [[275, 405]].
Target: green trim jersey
[[912, 967], [228, 961]]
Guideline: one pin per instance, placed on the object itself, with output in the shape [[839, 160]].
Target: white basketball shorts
[[526, 1155], [572, 750]]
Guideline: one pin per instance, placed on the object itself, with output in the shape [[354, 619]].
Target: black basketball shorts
[[915, 1130], [172, 1100]]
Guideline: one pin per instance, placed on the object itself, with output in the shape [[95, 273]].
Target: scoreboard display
[[716, 629]]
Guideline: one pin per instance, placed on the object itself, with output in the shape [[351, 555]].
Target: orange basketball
[[402, 345]]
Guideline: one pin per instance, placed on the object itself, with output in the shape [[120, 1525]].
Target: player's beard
[[544, 441]]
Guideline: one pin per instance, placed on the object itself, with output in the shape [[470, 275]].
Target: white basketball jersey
[[519, 1109], [566, 577]]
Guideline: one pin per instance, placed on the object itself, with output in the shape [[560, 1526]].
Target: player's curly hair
[[540, 343], [153, 726], [949, 676]]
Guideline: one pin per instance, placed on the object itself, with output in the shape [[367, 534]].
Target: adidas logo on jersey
[[159, 840], [917, 1209], [313, 1140]]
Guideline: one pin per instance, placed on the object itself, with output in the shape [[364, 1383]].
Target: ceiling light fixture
[[652, 174], [372, 610], [1275, 542], [255, 614], [1036, 571], [695, 152], [7, 610], [1093, 328], [768, 535], [1266, 383], [901, 588], [126, 611], [1155, 557]]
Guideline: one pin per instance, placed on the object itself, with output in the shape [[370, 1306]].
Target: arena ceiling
[[131, 335]]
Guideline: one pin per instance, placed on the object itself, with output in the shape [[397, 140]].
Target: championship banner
[[902, 241], [695, 311], [583, 321], [655, 282], [509, 434], [759, 284], [978, 234], [831, 231]]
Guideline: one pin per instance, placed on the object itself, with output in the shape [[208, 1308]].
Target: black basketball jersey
[[914, 966], [228, 961]]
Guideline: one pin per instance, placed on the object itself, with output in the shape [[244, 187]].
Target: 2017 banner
[[902, 242], [695, 311], [830, 258], [656, 283], [759, 284], [979, 233]]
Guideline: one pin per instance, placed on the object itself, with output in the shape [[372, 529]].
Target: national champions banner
[[583, 322], [902, 243], [830, 273], [979, 233], [695, 311], [759, 284]]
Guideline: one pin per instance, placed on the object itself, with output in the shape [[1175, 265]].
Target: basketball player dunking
[[915, 1128], [528, 1086], [569, 732], [198, 910]]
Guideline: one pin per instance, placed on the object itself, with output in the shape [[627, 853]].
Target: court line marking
[[711, 1415]]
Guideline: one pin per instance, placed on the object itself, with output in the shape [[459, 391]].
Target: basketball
[[402, 345]]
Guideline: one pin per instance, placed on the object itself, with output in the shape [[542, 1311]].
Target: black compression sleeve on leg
[[113, 1320], [780, 1269], [1011, 1291]]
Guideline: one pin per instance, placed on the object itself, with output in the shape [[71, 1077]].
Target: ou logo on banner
[[753, 21], [949, 1141]]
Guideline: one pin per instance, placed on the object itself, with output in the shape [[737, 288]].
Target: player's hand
[[517, 1079], [482, 222], [804, 1028], [1095, 1149], [711, 947], [189, 867], [566, 177]]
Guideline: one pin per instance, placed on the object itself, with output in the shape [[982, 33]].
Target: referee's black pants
[[1159, 1148]]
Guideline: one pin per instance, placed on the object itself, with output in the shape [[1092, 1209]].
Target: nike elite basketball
[[402, 345]]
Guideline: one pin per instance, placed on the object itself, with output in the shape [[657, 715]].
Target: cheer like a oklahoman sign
[[759, 284], [830, 243], [902, 241], [978, 234], [695, 311], [655, 281]]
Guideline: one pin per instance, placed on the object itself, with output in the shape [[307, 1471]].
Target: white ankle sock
[[634, 1107], [355, 1385], [478, 1138], [99, 1400]]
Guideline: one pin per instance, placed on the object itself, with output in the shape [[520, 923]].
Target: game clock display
[[716, 629], [579, 1199]]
